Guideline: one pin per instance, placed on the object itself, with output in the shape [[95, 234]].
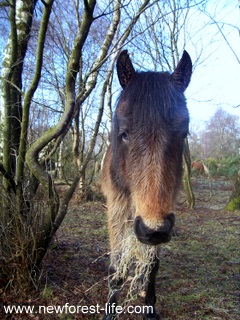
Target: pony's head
[[150, 124]]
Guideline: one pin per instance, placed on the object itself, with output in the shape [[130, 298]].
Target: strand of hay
[[137, 260]]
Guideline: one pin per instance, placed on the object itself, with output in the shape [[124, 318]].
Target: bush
[[18, 251], [227, 167], [212, 165], [234, 201]]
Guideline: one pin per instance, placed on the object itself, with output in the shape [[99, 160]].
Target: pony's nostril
[[154, 236], [169, 220]]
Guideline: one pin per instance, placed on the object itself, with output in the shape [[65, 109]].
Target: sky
[[216, 82]]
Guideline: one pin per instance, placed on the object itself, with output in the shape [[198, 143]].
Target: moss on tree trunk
[[234, 201], [186, 177]]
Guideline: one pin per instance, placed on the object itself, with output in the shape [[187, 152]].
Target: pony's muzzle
[[156, 236]]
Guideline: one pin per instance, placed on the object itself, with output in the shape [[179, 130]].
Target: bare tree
[[223, 133], [219, 138]]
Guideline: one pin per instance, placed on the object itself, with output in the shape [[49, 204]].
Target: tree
[[15, 206], [234, 200], [27, 226], [195, 144], [223, 133], [220, 137]]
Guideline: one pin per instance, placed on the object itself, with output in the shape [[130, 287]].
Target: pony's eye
[[124, 136]]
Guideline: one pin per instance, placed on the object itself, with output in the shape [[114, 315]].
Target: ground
[[199, 276]]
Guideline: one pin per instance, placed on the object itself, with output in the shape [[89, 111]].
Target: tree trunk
[[187, 175], [234, 201], [56, 212], [59, 164], [27, 221]]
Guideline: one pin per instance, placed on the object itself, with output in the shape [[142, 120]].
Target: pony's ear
[[182, 73], [125, 69]]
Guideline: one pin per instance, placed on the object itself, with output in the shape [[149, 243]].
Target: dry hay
[[135, 265]]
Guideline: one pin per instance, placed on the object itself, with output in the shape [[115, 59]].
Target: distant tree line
[[220, 137]]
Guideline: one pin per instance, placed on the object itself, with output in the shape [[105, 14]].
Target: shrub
[[18, 251], [227, 167]]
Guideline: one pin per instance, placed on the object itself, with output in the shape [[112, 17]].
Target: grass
[[199, 276], [203, 269]]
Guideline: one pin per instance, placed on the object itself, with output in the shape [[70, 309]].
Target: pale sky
[[216, 82]]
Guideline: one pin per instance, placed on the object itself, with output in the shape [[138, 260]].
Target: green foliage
[[47, 292], [234, 201], [229, 167], [226, 167], [212, 164], [234, 204]]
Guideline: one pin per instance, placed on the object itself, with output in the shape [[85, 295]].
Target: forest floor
[[199, 276]]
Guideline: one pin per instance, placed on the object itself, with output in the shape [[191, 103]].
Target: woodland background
[[58, 92]]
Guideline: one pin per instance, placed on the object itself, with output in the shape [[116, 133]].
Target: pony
[[141, 173], [200, 167]]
